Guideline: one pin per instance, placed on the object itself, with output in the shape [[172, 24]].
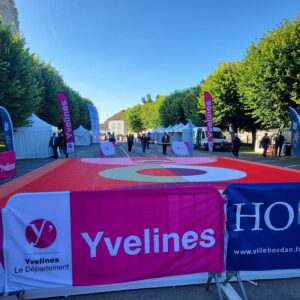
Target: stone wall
[[9, 14]]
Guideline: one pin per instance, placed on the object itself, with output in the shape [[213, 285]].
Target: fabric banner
[[94, 119], [66, 119], [37, 227], [7, 164], [191, 142], [295, 129], [107, 148], [8, 129], [1, 256], [263, 224], [180, 148], [209, 120], [104, 237]]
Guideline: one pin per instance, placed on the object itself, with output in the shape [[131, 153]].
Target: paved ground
[[288, 289]]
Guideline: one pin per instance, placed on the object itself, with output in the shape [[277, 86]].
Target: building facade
[[9, 14]]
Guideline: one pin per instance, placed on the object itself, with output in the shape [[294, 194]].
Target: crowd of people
[[275, 144], [58, 143], [145, 141]]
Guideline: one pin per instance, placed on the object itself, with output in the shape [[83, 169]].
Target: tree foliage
[[20, 92], [150, 113], [270, 80], [28, 85], [229, 111], [132, 118]]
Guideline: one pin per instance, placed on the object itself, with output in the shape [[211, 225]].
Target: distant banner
[[104, 237], [8, 129], [209, 119], [263, 223], [94, 119], [7, 164], [1, 256], [295, 129], [107, 148], [180, 148], [191, 141], [66, 119]]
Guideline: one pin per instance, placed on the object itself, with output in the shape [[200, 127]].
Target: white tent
[[33, 141], [186, 132], [82, 136]]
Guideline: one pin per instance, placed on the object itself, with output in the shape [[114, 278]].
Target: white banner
[[38, 241], [107, 148], [179, 148]]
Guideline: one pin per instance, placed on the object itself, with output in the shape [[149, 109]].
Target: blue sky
[[117, 51]]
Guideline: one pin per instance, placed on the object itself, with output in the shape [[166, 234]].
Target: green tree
[[190, 106], [20, 91], [270, 80], [171, 110], [150, 113], [132, 118], [147, 99], [229, 111], [51, 82]]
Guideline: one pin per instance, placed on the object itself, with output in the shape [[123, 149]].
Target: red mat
[[114, 173]]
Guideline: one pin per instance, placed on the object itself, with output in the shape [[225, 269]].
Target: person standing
[[276, 140], [148, 140], [63, 144], [236, 144], [54, 144], [165, 141], [143, 142], [280, 143], [265, 142], [130, 139]]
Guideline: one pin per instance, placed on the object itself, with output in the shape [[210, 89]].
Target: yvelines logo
[[40, 233]]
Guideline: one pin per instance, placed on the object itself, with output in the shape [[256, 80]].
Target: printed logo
[[40, 233]]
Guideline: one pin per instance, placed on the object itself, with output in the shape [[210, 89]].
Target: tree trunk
[[253, 132]]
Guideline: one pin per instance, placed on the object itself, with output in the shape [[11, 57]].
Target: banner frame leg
[[214, 276], [229, 275]]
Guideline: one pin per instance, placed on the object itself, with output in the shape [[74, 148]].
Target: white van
[[200, 138]]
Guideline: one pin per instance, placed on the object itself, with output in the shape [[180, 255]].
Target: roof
[[118, 116], [104, 126]]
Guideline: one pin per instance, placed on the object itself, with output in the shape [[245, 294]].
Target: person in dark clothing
[[236, 144], [143, 142], [63, 145], [148, 140], [54, 144], [280, 141], [165, 141], [276, 139], [130, 139], [264, 143]]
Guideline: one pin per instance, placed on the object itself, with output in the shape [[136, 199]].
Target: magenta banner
[[1, 256], [7, 164], [113, 236], [209, 119], [66, 118], [128, 235]]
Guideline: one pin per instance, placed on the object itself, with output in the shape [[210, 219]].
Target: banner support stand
[[216, 277], [229, 275]]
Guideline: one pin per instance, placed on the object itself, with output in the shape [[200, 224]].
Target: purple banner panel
[[66, 119]]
